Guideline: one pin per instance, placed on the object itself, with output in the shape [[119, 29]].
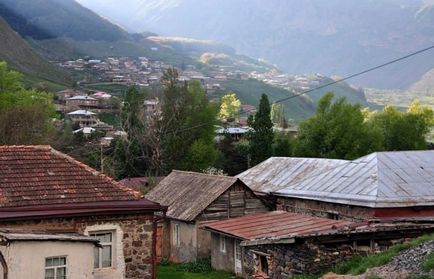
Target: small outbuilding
[[280, 244], [193, 199]]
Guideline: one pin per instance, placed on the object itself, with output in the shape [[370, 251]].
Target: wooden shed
[[193, 199]]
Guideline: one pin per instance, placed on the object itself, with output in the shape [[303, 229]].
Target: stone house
[[280, 244], [193, 199], [40, 254], [397, 185], [43, 189]]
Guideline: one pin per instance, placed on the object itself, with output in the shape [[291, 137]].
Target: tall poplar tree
[[261, 138]]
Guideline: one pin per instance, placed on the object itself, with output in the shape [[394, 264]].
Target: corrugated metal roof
[[275, 224], [187, 194], [277, 173], [381, 180]]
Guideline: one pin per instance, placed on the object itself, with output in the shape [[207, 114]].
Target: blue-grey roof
[[381, 180], [277, 173], [82, 97]]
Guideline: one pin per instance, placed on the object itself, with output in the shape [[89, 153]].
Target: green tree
[[261, 138], [403, 130], [233, 158], [10, 81], [25, 115], [337, 130], [131, 153], [278, 115], [187, 125], [283, 145], [229, 107]]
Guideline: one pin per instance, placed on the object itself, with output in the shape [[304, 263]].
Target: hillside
[[336, 37], [21, 57], [213, 53], [63, 29], [249, 92]]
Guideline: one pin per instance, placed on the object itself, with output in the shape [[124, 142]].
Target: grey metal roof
[[187, 194], [82, 97], [381, 180], [277, 173]]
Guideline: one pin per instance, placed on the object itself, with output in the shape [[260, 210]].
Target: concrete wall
[[187, 249], [221, 260], [134, 235], [324, 209], [203, 242], [27, 259]]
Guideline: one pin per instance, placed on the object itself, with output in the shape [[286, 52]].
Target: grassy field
[[171, 272], [359, 265]]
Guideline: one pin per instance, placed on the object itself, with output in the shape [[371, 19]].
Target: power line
[[295, 95]]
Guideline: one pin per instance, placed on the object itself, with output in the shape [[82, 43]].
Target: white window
[[55, 267], [103, 257], [222, 244], [176, 235]]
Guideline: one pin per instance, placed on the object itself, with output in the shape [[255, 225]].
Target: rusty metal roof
[[380, 180], [277, 173], [187, 194], [274, 224]]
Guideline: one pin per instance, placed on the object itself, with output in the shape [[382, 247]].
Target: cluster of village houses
[[143, 72], [83, 108], [59, 218]]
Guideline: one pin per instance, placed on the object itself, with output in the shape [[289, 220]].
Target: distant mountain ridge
[[63, 29], [334, 37]]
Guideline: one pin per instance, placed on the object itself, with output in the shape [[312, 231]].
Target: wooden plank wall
[[237, 201]]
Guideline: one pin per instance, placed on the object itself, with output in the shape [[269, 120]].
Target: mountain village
[[126, 155]]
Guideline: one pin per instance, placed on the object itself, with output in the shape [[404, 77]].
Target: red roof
[[40, 176], [274, 224]]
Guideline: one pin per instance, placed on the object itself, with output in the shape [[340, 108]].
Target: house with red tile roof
[[43, 189]]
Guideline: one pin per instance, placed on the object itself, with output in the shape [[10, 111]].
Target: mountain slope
[[21, 57], [335, 37], [63, 29]]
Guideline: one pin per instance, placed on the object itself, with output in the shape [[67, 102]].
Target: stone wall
[[133, 232], [285, 260], [324, 209]]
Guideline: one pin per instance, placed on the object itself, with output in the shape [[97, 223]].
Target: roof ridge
[[35, 146], [206, 174]]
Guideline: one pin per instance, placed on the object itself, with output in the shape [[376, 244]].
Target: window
[[176, 235], [103, 256], [333, 215], [55, 268], [222, 244]]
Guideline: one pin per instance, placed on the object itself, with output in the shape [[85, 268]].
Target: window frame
[[56, 267], [176, 235], [110, 244], [222, 243]]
